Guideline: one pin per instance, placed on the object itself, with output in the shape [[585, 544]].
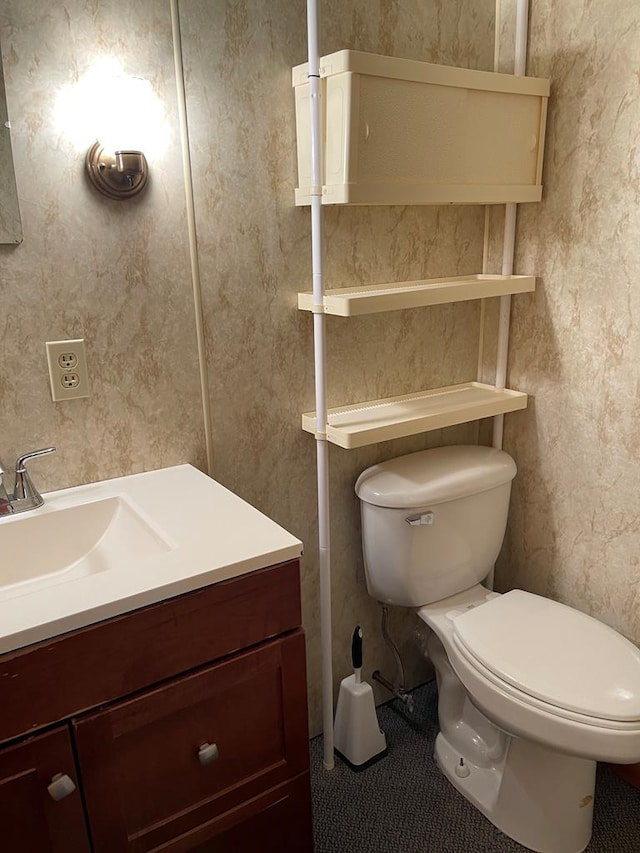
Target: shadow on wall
[[550, 532], [530, 523]]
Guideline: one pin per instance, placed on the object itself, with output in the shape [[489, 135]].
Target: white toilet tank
[[433, 521]]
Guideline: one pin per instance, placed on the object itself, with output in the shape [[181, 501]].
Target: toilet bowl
[[531, 692]]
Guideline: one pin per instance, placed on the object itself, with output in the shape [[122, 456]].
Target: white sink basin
[[71, 542], [96, 551]]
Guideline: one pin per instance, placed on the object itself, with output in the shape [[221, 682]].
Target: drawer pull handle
[[208, 753], [61, 786]]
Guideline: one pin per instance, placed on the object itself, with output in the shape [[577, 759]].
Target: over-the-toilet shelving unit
[[397, 131], [378, 130]]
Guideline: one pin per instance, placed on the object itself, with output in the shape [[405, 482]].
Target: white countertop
[[210, 535]]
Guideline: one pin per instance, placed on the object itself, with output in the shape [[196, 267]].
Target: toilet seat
[[462, 662], [524, 716], [518, 712], [554, 654]]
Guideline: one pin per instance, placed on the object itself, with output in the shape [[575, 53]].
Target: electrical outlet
[[70, 380], [67, 360], [67, 369]]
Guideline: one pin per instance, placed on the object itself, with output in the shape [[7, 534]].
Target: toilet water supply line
[[319, 345], [509, 242], [398, 689]]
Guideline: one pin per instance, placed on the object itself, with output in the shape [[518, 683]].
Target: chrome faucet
[[5, 503], [23, 495]]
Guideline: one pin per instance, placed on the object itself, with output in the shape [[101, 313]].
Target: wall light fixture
[[117, 116], [118, 174], [124, 117], [116, 165]]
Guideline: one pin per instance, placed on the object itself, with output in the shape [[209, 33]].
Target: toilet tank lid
[[435, 476]]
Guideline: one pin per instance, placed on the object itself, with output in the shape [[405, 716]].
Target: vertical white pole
[[509, 242], [508, 251], [319, 339], [483, 302]]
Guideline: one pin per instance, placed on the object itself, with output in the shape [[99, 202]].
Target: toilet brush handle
[[356, 648]]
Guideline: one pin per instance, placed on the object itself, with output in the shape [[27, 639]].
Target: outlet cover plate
[[67, 369]]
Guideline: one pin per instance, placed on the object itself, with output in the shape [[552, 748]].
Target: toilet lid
[[555, 653]]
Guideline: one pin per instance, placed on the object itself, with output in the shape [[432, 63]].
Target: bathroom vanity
[[179, 725]]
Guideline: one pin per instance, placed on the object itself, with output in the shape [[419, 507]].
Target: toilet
[[531, 693]]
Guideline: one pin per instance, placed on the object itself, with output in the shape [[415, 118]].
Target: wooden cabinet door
[[31, 820], [178, 765]]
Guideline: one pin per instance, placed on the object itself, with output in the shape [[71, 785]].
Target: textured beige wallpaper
[[115, 273], [575, 517], [255, 255], [118, 275]]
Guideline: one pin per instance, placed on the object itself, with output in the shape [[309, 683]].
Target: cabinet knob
[[61, 786], [208, 753]]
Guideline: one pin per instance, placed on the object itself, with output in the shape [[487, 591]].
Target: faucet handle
[[32, 455], [24, 488]]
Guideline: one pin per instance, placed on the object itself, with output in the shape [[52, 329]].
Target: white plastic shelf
[[398, 417], [373, 298]]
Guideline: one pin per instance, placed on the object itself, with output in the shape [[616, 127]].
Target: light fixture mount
[[117, 174]]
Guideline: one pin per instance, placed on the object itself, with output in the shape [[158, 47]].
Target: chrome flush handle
[[424, 518]]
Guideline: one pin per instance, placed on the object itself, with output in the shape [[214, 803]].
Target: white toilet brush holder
[[358, 739]]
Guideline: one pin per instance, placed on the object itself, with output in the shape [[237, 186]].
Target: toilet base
[[540, 798]]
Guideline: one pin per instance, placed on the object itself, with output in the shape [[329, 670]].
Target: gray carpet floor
[[403, 803]]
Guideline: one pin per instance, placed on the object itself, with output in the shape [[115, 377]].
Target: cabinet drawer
[[64, 676], [280, 819], [31, 821], [148, 777]]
